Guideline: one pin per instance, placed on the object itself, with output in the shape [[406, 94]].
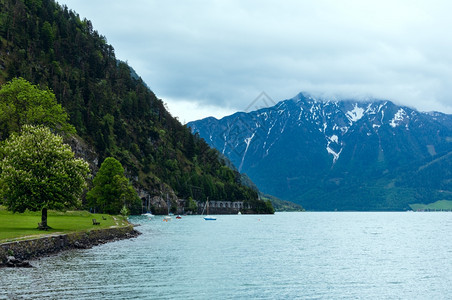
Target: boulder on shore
[[13, 262]]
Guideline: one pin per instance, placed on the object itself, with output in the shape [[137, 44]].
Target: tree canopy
[[23, 103], [112, 190], [39, 172]]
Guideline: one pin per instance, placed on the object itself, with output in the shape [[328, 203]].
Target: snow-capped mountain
[[335, 154]]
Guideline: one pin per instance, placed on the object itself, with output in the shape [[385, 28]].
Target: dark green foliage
[[112, 190], [109, 105], [191, 205], [23, 103], [261, 207]]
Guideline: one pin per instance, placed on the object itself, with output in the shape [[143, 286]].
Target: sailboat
[[207, 217], [168, 217]]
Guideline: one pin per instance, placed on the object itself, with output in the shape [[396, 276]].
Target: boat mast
[[167, 203]]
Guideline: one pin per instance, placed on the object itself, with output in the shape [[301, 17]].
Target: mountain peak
[[306, 144]]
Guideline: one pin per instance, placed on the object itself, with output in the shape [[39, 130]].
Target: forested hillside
[[112, 109]]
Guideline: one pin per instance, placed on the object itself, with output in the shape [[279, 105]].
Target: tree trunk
[[43, 225]]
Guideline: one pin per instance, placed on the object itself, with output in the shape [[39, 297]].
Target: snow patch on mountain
[[301, 114], [225, 137], [355, 114], [263, 114], [398, 118], [334, 138], [270, 129], [284, 127], [344, 129], [247, 142], [335, 155], [370, 109]]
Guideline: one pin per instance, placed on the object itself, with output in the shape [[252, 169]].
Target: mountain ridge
[[318, 146]]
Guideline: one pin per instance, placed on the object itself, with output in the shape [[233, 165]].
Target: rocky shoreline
[[16, 254]]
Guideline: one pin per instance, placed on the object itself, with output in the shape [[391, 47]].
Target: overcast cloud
[[215, 57]]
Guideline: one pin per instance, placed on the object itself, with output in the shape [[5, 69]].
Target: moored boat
[[207, 217]]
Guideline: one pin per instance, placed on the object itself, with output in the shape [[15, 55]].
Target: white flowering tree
[[39, 172]]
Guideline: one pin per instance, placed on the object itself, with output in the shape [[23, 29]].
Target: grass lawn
[[20, 226], [438, 205]]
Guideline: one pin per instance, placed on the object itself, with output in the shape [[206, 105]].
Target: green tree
[[191, 205], [124, 212], [39, 172], [112, 190], [23, 103], [47, 35]]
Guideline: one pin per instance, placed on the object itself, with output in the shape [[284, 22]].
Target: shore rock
[[13, 262], [15, 254]]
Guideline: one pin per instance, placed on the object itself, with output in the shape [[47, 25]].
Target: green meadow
[[15, 226], [438, 205]]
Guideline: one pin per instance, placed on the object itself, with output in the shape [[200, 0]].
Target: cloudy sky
[[214, 57]]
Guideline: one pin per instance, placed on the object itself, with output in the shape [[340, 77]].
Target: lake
[[309, 255]]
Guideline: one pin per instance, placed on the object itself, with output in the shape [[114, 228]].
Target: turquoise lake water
[[311, 255]]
